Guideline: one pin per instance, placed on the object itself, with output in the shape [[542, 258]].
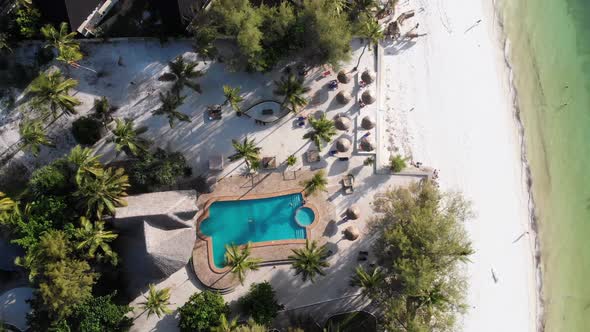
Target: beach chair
[[348, 184]]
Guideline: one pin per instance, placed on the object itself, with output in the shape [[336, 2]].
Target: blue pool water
[[256, 220], [304, 216]]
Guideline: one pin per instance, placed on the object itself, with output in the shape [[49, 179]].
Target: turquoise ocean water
[[257, 220], [550, 57]]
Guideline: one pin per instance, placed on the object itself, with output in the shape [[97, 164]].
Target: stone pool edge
[[204, 214]]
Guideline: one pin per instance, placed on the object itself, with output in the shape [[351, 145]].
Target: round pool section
[[304, 216]]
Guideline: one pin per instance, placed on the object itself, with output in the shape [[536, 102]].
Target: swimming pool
[[255, 220]]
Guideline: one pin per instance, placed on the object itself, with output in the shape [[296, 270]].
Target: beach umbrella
[[368, 122], [342, 122], [351, 233], [343, 97], [343, 77], [368, 76], [368, 97], [353, 212], [343, 144], [367, 144]]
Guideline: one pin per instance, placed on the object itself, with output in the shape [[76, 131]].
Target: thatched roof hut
[[351, 233], [367, 144], [343, 97], [368, 76], [343, 77], [368, 97], [343, 144], [353, 212], [368, 122], [342, 122], [156, 237]]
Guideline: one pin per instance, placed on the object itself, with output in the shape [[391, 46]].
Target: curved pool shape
[[255, 220], [304, 216]]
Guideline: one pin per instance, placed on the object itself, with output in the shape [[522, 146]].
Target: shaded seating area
[[214, 112], [348, 184]]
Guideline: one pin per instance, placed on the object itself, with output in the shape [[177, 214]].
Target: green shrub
[[202, 312], [27, 19], [49, 180], [86, 130], [397, 163], [100, 314], [261, 303], [160, 169]]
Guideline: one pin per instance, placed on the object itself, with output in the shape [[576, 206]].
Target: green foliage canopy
[[202, 312], [260, 303]]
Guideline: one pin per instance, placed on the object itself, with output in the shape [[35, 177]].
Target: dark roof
[[188, 8], [79, 10]]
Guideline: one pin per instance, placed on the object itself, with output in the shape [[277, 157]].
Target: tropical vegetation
[[157, 170], [309, 262], [183, 72], [246, 150], [397, 163], [260, 303], [63, 42], [322, 131], [421, 248], [50, 94], [127, 138], [170, 102], [318, 182], [293, 91], [239, 260], [33, 136], [157, 301], [204, 311], [233, 97]]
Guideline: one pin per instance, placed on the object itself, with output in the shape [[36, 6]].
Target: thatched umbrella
[[342, 122], [353, 212], [368, 76], [367, 144], [368, 122], [343, 77], [351, 233], [343, 144], [343, 97], [368, 97]]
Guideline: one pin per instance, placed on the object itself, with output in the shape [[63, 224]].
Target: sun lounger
[[348, 183]]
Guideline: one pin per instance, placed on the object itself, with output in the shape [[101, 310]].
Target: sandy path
[[447, 104]]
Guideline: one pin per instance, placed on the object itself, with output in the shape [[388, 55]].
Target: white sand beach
[[447, 102]]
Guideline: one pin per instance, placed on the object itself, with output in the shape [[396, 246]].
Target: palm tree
[[293, 90], [50, 90], [84, 163], [127, 138], [239, 260], [322, 130], [33, 136], [232, 96], [318, 182], [246, 150], [93, 237], [184, 71], [310, 261], [370, 29], [397, 163], [157, 302], [104, 191], [170, 102], [366, 280], [61, 38], [69, 55], [225, 325]]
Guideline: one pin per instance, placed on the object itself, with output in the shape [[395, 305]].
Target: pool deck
[[274, 252]]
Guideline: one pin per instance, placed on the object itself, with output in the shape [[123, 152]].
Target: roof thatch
[[367, 144], [368, 76], [368, 97], [351, 233], [157, 236], [343, 144], [368, 122], [342, 122], [343, 97], [353, 212], [343, 77]]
